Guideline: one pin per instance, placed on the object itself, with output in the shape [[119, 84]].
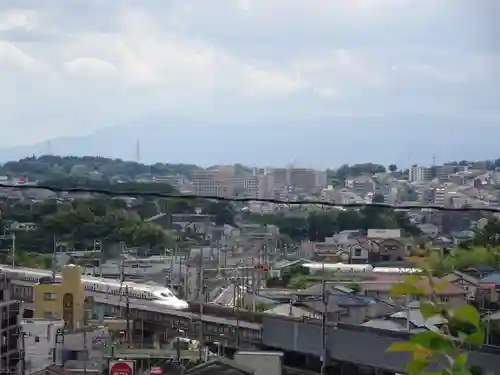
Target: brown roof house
[[451, 294]]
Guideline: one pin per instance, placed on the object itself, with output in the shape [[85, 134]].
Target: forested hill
[[52, 168]]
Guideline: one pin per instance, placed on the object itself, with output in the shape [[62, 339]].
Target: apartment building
[[223, 182], [443, 172], [419, 173], [243, 186], [361, 185], [302, 180], [298, 180], [441, 195], [11, 355], [209, 182], [178, 181]]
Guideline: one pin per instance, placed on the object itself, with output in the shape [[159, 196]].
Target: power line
[[156, 194]]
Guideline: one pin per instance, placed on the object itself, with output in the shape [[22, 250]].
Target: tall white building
[[419, 173]]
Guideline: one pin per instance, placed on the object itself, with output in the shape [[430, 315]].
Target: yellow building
[[61, 300]]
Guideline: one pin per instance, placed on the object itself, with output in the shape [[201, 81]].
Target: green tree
[[392, 168], [445, 351], [298, 282], [260, 306], [317, 225], [53, 167], [80, 223], [148, 209], [223, 212]]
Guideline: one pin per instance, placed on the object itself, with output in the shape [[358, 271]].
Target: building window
[[357, 252], [50, 296], [445, 299]]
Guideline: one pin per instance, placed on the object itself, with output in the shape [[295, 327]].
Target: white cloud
[[12, 57], [124, 58], [89, 66], [18, 18]]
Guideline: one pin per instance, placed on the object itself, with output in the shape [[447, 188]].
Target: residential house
[[327, 252], [469, 283], [359, 252], [344, 304], [479, 271], [442, 244], [430, 230], [451, 294], [386, 250], [387, 245], [406, 320], [288, 309], [489, 288], [462, 236], [383, 233], [23, 227]]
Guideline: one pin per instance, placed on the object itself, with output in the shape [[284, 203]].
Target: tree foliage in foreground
[[442, 352]]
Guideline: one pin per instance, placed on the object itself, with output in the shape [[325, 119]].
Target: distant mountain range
[[320, 143]]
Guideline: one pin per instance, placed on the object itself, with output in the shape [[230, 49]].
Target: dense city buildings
[[148, 256]]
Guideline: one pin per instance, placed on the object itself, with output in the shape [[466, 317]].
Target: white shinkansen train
[[357, 268], [110, 289]]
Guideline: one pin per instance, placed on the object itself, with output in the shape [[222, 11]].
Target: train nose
[[182, 305]]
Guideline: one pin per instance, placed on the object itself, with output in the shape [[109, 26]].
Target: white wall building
[[45, 346], [40, 342]]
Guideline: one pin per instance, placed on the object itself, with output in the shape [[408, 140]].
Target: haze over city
[[249, 187], [251, 81]]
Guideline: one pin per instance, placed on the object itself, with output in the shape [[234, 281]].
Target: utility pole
[[86, 350], [13, 236], [324, 322], [127, 318], [101, 255], [23, 353], [127, 300], [173, 255], [201, 300], [54, 259], [238, 315], [253, 284], [408, 313]]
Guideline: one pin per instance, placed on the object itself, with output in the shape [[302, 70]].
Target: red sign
[[156, 370], [121, 368]]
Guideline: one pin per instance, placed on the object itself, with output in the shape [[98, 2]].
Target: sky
[[69, 68]]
